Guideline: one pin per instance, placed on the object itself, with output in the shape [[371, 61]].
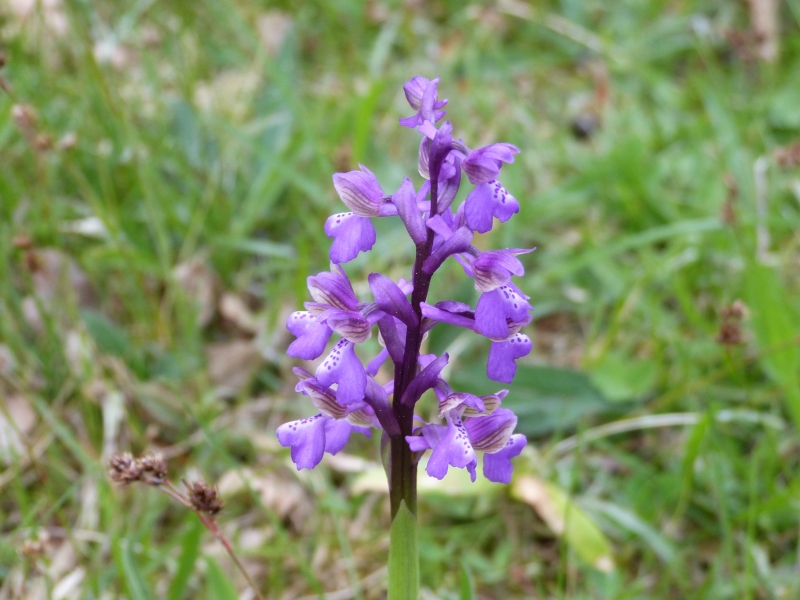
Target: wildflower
[[350, 395]]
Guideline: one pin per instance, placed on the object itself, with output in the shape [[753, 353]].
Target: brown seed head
[[730, 330], [32, 550], [123, 468], [204, 498], [25, 117], [153, 469]]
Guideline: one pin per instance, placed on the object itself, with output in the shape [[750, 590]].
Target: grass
[[186, 212]]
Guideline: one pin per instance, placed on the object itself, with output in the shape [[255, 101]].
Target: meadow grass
[[166, 172]]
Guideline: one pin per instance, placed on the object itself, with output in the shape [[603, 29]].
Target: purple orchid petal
[[443, 316], [501, 366], [414, 89], [483, 165], [423, 157], [306, 438], [491, 402], [343, 367], [497, 467], [440, 148], [391, 299], [490, 433], [455, 244], [417, 443], [448, 188], [352, 234], [378, 399], [458, 400], [337, 434], [322, 397], [350, 325], [424, 381], [495, 267], [452, 450], [333, 289], [360, 191], [375, 364], [301, 373], [406, 203], [486, 201], [393, 336], [312, 335], [498, 308]]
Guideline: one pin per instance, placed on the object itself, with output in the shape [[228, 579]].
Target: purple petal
[[414, 89], [417, 443], [406, 203], [378, 399], [312, 335], [490, 433], [440, 148], [391, 299], [483, 165], [448, 188], [393, 337], [333, 289], [424, 157], [443, 316], [337, 434], [343, 367], [322, 397], [452, 450], [352, 234], [429, 98], [460, 399], [411, 122], [496, 308], [424, 381], [489, 200], [350, 325], [375, 364], [497, 467], [306, 438], [455, 244], [491, 402], [495, 267], [501, 366], [360, 191]]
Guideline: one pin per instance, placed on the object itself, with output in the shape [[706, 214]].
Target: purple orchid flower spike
[[383, 392]]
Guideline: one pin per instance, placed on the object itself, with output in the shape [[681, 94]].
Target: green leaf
[[775, 324], [403, 556], [190, 548], [108, 336], [130, 572], [217, 582], [544, 398], [467, 586], [620, 377], [566, 519]]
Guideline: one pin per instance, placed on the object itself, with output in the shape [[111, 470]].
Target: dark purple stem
[[403, 467]]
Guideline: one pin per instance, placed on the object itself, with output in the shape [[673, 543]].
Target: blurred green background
[[165, 176]]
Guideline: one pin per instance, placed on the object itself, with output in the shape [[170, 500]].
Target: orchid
[[350, 390]]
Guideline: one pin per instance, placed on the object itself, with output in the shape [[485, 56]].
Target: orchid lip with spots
[[348, 393]]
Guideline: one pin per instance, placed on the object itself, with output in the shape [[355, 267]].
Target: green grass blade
[[190, 548], [217, 582]]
